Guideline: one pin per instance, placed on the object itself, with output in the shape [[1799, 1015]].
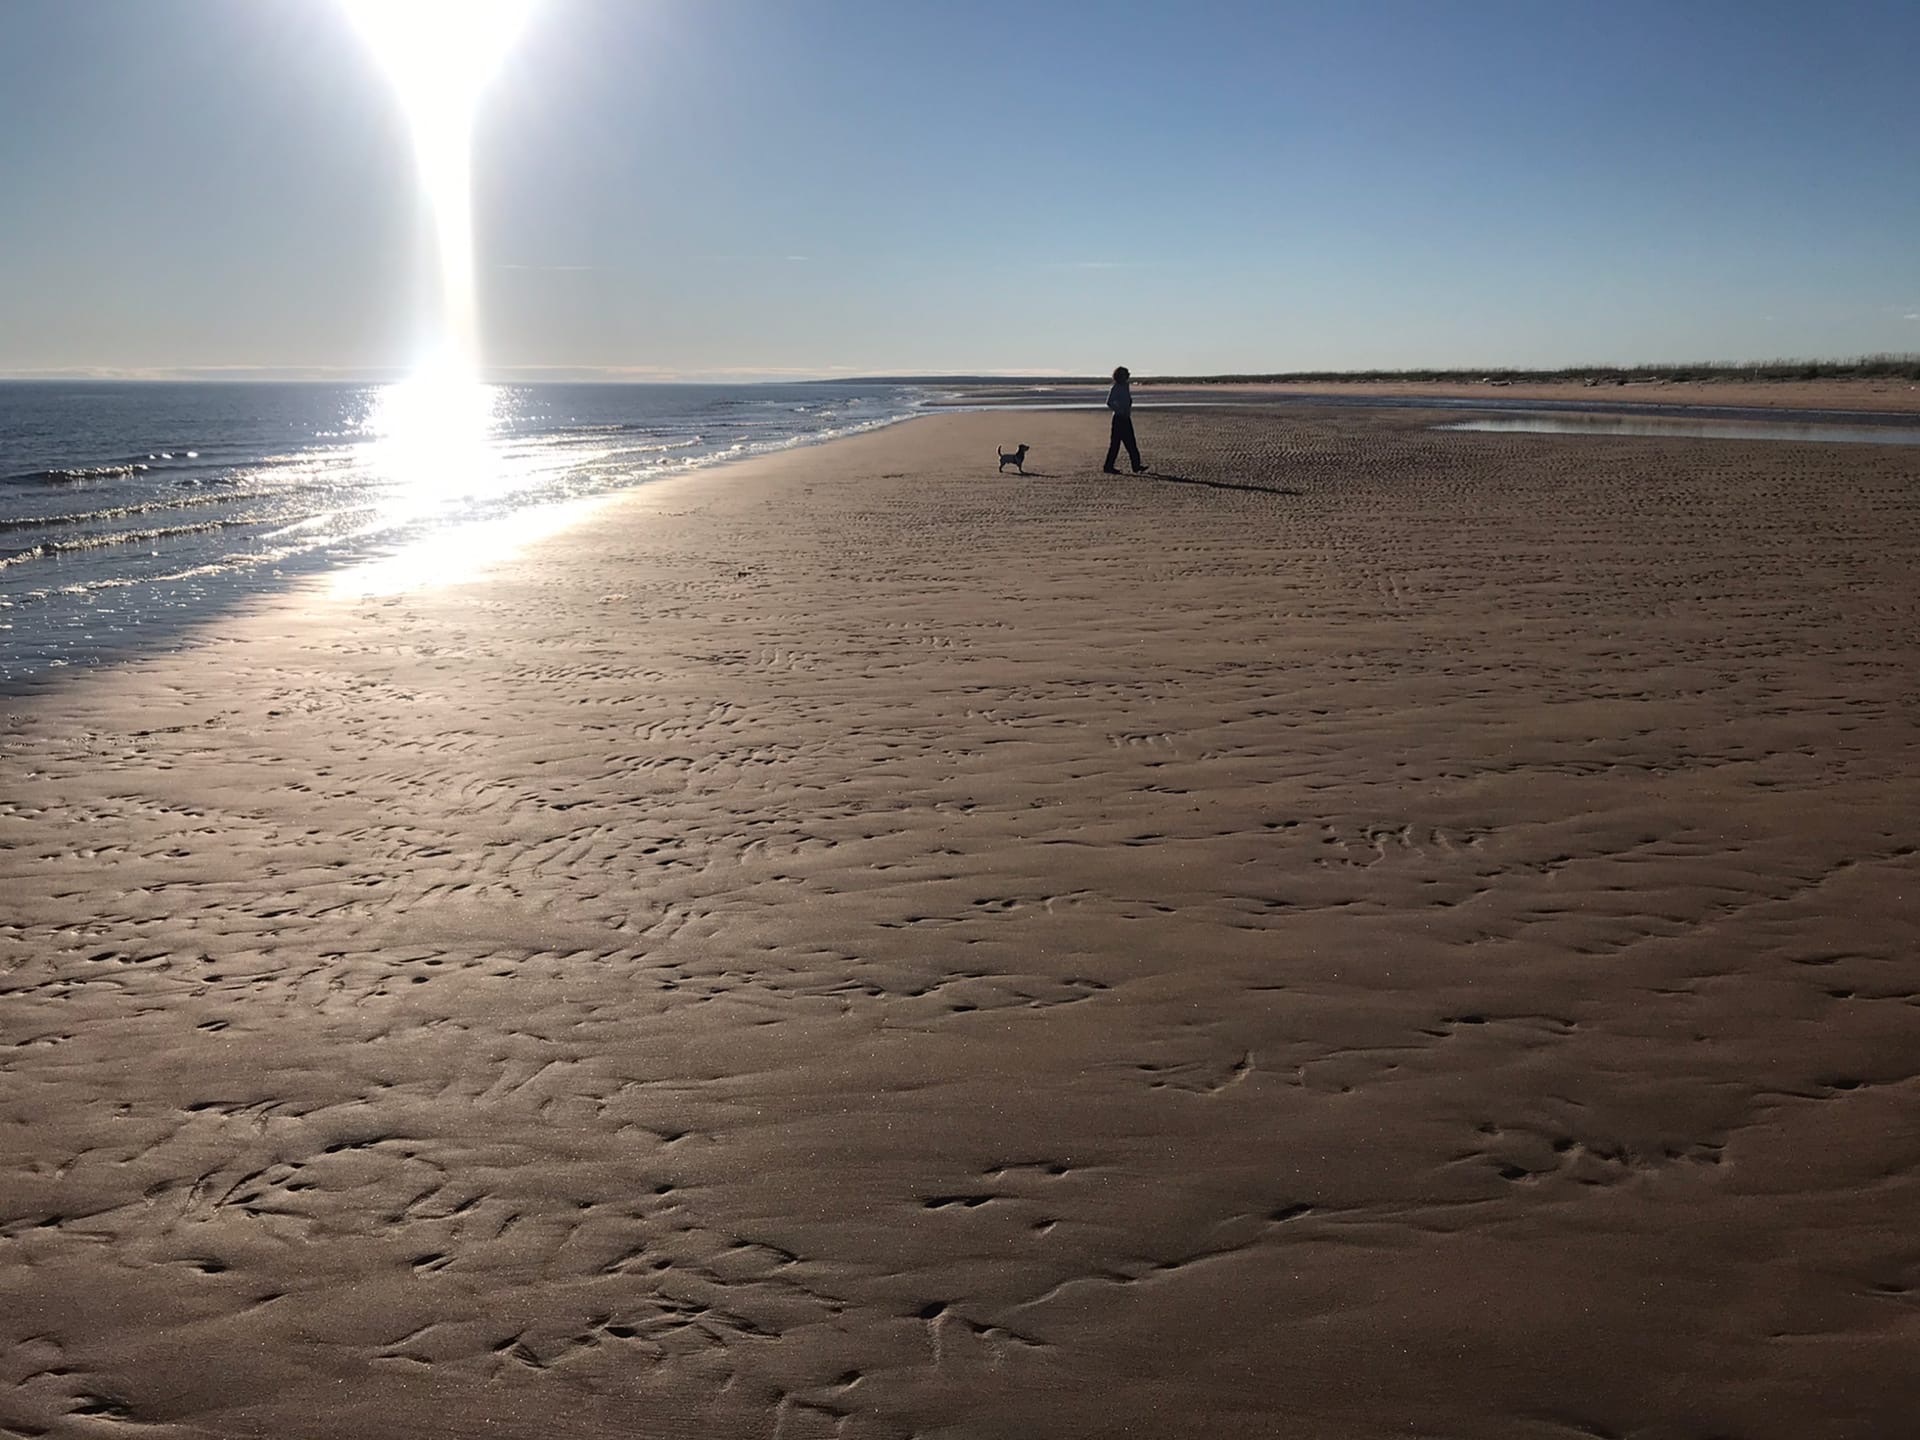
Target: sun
[[440, 54]]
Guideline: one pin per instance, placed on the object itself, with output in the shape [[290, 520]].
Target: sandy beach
[[1853, 395], [1369, 933]]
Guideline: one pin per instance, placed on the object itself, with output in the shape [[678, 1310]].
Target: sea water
[[129, 511]]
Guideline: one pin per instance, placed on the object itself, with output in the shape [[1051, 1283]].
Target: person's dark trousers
[[1123, 435]]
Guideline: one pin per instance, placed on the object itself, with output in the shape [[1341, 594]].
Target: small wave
[[47, 549], [122, 469], [660, 446], [567, 441], [124, 512], [237, 562], [618, 427], [78, 475]]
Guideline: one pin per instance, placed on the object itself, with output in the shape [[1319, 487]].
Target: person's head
[[1120, 372]]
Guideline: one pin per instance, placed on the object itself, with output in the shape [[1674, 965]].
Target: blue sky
[[680, 187]]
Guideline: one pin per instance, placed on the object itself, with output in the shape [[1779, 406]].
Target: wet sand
[[1384, 934]]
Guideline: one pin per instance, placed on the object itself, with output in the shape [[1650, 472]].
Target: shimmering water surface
[[1711, 429], [130, 510]]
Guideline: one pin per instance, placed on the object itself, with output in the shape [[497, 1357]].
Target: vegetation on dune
[[1864, 367]]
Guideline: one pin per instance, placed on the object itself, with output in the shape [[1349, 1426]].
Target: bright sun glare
[[433, 429], [439, 56]]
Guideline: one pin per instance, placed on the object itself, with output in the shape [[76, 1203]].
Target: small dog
[[1018, 459]]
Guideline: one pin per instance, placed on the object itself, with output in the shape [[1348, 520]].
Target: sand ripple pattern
[[1381, 934]]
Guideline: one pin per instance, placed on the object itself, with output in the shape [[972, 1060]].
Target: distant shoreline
[[1814, 401]]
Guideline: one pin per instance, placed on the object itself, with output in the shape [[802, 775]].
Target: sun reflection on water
[[433, 443], [439, 459]]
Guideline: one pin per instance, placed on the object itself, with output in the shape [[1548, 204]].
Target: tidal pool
[[1709, 429]]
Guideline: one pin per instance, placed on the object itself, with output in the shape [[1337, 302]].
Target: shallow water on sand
[[1698, 429]]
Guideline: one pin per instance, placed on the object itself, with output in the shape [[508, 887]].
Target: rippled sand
[[1386, 934]]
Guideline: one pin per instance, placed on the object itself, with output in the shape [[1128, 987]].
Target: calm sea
[[128, 511]]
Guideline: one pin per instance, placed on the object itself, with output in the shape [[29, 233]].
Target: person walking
[[1120, 402]]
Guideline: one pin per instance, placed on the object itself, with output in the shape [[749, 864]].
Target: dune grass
[[1864, 367]]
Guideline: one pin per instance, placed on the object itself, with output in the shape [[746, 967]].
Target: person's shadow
[[1151, 474]]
